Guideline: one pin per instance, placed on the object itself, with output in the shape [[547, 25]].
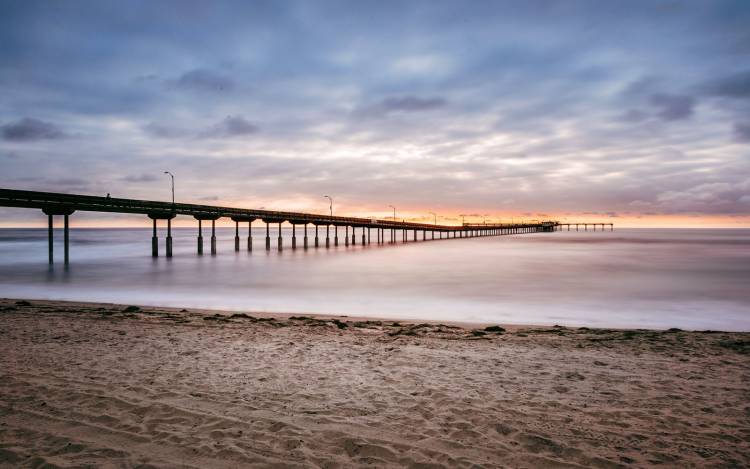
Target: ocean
[[631, 278]]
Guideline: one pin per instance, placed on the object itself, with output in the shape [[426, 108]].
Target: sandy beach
[[100, 385]]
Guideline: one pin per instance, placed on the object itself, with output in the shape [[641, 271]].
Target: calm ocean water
[[651, 278]]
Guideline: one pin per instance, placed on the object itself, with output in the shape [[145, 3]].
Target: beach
[[105, 385]]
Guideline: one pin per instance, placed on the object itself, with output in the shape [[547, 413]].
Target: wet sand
[[96, 385]]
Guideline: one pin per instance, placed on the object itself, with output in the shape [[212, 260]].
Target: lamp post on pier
[[171, 176], [434, 215], [169, 220], [330, 206]]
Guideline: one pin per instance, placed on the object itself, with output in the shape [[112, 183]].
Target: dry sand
[[88, 385]]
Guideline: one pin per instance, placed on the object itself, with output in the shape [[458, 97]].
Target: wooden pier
[[58, 204]]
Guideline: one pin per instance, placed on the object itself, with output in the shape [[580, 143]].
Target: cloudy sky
[[632, 112]]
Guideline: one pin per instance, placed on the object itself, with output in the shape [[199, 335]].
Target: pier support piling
[[305, 240], [335, 235], [268, 236], [154, 240], [237, 236], [169, 237], [213, 237], [250, 236], [200, 237], [50, 240], [281, 241], [294, 236], [66, 239]]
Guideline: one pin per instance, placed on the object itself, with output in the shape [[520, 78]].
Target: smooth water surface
[[692, 279]]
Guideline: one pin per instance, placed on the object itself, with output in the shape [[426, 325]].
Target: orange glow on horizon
[[101, 220]]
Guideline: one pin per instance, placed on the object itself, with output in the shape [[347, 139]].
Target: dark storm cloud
[[411, 104], [633, 115], [742, 131], [234, 126], [29, 129], [672, 107], [202, 79], [229, 127], [736, 85], [400, 104], [163, 131]]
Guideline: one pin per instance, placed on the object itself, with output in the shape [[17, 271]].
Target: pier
[[57, 204]]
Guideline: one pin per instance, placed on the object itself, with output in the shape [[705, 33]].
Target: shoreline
[[102, 385], [353, 318]]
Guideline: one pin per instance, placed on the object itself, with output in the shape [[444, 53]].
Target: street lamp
[[463, 219], [172, 176], [394, 212], [435, 215], [331, 203]]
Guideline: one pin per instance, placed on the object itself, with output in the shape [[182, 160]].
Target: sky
[[636, 113]]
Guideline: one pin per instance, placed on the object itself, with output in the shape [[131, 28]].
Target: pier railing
[[53, 203]]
